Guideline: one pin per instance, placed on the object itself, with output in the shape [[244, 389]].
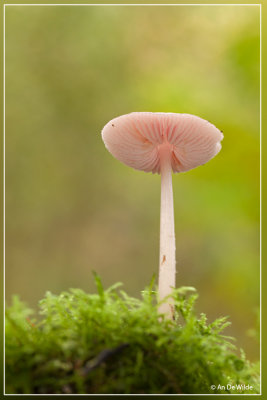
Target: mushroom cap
[[136, 139]]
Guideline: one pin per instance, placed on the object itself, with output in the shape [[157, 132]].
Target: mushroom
[[163, 143]]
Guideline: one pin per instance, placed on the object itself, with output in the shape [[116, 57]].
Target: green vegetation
[[112, 343]]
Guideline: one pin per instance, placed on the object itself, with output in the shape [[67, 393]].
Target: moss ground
[[112, 343]]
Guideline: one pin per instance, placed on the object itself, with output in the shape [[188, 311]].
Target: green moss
[[112, 343]]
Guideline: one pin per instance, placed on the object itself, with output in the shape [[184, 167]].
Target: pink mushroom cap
[[136, 139]]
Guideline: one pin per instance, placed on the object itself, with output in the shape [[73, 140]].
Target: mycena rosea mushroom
[[163, 143]]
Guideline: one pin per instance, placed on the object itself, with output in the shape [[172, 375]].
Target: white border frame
[[135, 5]]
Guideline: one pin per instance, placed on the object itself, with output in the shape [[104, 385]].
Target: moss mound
[[112, 343]]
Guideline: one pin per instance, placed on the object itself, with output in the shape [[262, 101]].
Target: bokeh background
[[72, 208]]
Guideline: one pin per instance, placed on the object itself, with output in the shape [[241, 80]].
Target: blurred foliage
[[71, 207], [113, 343]]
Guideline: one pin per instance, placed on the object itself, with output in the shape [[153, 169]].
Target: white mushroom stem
[[167, 236]]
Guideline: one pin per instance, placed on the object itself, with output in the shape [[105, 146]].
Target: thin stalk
[[167, 235]]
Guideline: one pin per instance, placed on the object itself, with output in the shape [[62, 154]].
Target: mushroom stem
[[167, 236]]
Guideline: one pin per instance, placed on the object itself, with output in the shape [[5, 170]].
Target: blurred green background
[[72, 208]]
